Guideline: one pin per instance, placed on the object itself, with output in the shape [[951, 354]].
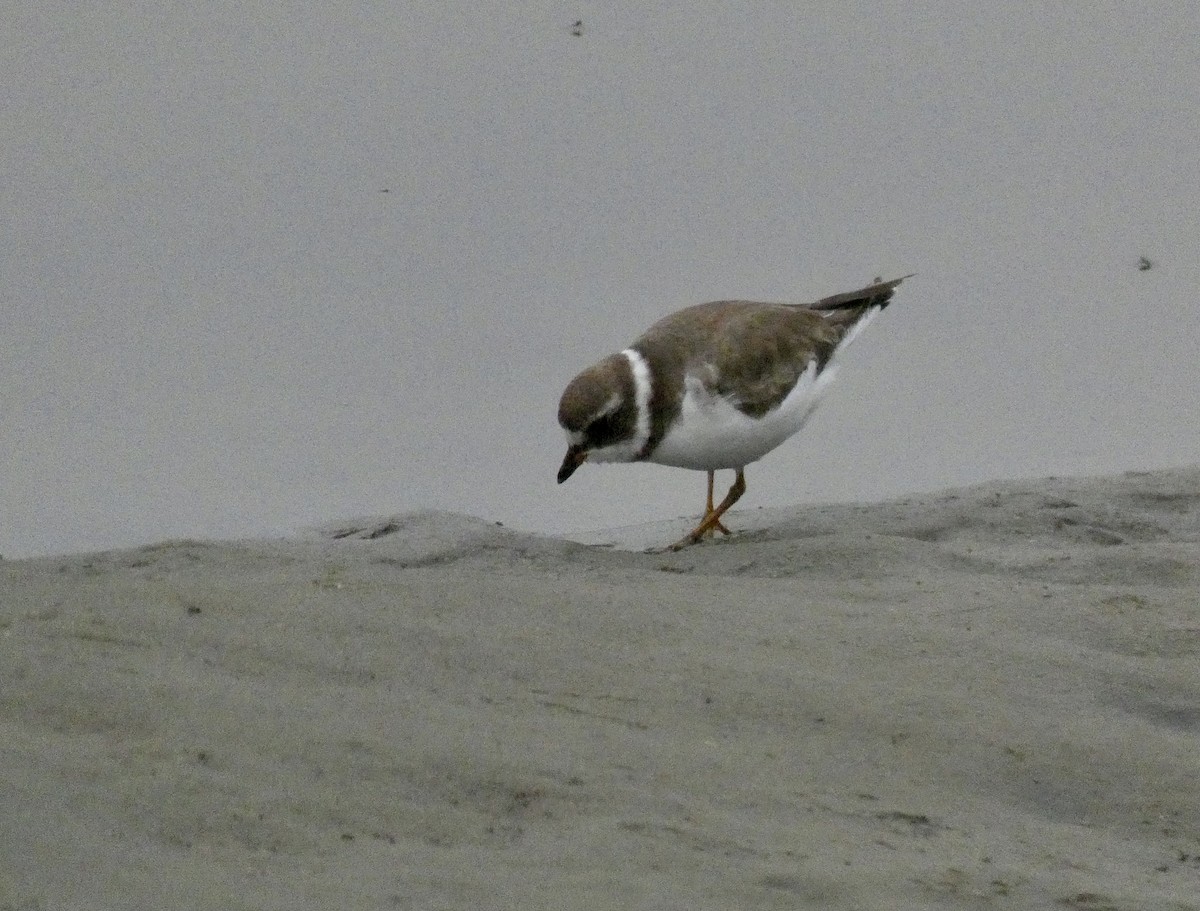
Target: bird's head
[[598, 412]]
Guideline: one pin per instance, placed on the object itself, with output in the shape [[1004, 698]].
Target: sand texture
[[982, 698]]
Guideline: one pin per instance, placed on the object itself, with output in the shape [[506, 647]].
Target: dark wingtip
[[878, 294]]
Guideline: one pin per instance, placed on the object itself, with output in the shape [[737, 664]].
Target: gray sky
[[217, 323]]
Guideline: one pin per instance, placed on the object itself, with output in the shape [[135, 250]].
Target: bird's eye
[[601, 428]]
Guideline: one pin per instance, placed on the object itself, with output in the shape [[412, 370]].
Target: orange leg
[[712, 518], [708, 511]]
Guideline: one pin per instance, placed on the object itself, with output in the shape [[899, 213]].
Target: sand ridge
[[981, 698]]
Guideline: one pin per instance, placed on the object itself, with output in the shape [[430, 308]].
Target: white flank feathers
[[710, 433]]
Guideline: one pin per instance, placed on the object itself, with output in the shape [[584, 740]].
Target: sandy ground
[[984, 698]]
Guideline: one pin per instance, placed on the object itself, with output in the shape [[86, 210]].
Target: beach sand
[[980, 698]]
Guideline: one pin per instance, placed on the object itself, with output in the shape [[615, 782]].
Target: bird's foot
[[711, 522], [709, 525]]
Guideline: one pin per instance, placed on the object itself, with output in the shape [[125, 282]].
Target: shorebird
[[713, 386]]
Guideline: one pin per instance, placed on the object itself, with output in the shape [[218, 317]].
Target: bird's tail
[[876, 295], [851, 311]]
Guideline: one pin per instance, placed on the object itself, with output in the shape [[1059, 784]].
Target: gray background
[[217, 323]]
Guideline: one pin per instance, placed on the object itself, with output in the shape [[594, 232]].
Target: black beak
[[575, 457]]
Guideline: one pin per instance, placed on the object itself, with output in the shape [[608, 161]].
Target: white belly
[[710, 433]]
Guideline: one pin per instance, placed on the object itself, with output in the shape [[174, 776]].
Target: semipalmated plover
[[713, 386]]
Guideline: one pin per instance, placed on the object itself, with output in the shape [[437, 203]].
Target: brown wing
[[766, 348], [763, 350], [754, 352]]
